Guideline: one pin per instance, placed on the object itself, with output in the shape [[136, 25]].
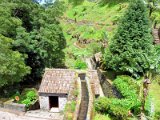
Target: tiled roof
[[93, 76], [57, 81]]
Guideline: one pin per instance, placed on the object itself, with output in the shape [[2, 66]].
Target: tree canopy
[[131, 49], [12, 68], [35, 35]]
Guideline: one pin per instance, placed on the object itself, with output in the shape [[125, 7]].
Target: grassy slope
[[94, 14], [93, 21], [155, 93]]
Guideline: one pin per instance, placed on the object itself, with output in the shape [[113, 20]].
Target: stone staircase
[[84, 101], [156, 36]]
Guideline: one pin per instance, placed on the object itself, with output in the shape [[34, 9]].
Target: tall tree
[[12, 68], [35, 32], [131, 48]]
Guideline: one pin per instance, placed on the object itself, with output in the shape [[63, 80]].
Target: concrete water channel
[[84, 99]]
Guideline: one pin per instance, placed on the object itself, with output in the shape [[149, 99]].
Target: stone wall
[[78, 102], [108, 89], [14, 106], [62, 102], [44, 102]]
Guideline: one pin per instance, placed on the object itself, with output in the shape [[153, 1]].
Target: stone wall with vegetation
[[78, 102], [108, 89], [74, 101]]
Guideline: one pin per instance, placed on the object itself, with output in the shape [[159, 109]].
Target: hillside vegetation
[[87, 26]]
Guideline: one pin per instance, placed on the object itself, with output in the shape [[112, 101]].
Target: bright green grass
[[102, 117], [155, 93], [93, 14]]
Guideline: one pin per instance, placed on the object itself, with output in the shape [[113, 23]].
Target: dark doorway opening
[[82, 76], [53, 101]]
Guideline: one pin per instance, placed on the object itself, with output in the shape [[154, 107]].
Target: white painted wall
[[44, 102], [62, 102]]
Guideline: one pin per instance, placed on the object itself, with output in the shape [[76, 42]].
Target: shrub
[[119, 113], [157, 116], [118, 108], [27, 102], [127, 87], [31, 95], [80, 64], [102, 117], [102, 104], [28, 97]]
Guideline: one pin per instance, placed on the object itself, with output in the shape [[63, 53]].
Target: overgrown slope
[[88, 26]]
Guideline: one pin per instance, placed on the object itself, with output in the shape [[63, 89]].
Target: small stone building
[[54, 89]]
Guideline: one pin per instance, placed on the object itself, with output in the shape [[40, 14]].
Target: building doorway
[[53, 102]]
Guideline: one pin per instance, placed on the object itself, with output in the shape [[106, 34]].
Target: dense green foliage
[[35, 33], [131, 49], [12, 68], [28, 97], [79, 64], [76, 2], [119, 108]]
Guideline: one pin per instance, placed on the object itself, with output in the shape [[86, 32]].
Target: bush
[[28, 97], [119, 113], [127, 87], [118, 108], [102, 117], [31, 95], [102, 104], [80, 64], [157, 116], [114, 107], [27, 102]]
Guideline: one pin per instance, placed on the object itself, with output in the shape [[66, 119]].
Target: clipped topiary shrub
[[119, 108]]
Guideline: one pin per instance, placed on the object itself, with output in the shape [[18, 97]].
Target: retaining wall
[[15, 106], [78, 103]]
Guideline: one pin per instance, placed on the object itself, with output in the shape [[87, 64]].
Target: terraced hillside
[[88, 28]]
